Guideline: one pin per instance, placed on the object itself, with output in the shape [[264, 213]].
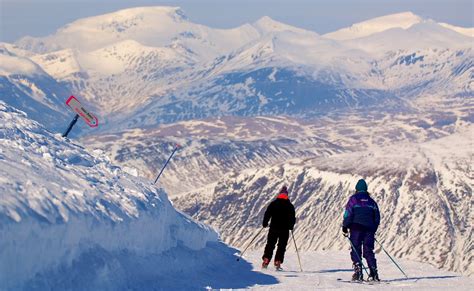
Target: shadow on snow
[[177, 269], [422, 278]]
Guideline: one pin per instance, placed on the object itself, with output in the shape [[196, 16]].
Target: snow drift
[[72, 220]]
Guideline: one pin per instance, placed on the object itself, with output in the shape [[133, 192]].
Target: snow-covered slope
[[150, 65], [414, 74], [425, 35], [331, 270], [397, 79], [424, 192], [156, 47], [211, 148], [25, 85], [59, 64], [150, 26], [468, 31], [400, 20], [71, 220]]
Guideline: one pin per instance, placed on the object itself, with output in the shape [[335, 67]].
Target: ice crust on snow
[[58, 201]]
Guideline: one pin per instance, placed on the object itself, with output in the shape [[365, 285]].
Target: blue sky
[[42, 17]]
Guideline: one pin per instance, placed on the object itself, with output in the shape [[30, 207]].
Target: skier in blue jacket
[[362, 218]]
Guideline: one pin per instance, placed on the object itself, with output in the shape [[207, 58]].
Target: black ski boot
[[357, 276], [374, 275]]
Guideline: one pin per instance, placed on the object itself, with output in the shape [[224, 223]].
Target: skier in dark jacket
[[281, 214], [362, 218]]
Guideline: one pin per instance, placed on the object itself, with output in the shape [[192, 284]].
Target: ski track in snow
[[333, 270]]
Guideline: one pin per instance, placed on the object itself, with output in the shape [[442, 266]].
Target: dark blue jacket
[[361, 212]]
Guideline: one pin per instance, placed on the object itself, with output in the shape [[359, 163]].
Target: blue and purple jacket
[[362, 212]]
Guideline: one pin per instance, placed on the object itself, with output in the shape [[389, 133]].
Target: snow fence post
[[73, 122], [164, 166]]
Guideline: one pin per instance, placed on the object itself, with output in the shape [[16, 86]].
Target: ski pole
[[162, 169], [242, 253], [297, 253], [358, 256], [391, 258]]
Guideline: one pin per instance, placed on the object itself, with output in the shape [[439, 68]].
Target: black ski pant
[[276, 235]]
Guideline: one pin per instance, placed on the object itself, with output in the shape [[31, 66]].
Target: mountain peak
[[267, 20], [134, 11], [398, 20], [154, 25], [467, 31], [173, 11], [267, 24], [402, 20], [130, 17]]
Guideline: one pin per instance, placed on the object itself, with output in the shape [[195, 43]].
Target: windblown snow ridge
[[61, 207]]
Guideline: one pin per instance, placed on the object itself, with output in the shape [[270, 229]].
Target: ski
[[363, 282]]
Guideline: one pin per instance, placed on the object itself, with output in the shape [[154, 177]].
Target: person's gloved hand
[[265, 224], [345, 231]]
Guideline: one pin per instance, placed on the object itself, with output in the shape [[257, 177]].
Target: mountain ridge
[[401, 20], [134, 79], [401, 177]]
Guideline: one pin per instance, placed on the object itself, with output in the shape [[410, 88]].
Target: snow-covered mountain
[[425, 35], [401, 20], [424, 192], [26, 86], [267, 102], [397, 21], [210, 148], [70, 219], [151, 65], [150, 26], [462, 30]]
